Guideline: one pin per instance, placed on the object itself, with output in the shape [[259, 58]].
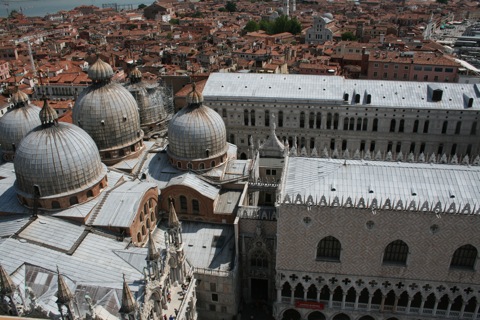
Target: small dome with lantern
[[197, 136], [150, 102], [16, 123], [57, 164], [109, 114]]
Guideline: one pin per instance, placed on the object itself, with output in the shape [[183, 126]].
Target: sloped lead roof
[[332, 90], [383, 185]]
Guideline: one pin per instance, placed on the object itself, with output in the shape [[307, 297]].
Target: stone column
[[279, 294], [435, 306], [292, 296], [330, 300], [318, 295], [344, 297], [462, 310], [357, 297], [382, 304], [395, 304], [420, 311], [409, 304], [369, 304], [450, 302], [305, 294]]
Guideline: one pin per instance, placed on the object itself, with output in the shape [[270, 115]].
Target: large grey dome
[[16, 123], [149, 99], [109, 114], [61, 159], [196, 131]]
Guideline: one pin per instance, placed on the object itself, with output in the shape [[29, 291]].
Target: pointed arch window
[[396, 253], [329, 249], [464, 257]]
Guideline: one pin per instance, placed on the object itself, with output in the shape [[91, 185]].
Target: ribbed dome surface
[[150, 102], [109, 114], [15, 125], [100, 70], [194, 130], [61, 159]]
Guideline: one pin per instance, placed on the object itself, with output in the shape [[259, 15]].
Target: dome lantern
[[48, 116], [100, 72]]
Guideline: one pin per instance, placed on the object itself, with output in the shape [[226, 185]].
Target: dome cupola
[[100, 71], [135, 76], [109, 114], [58, 165], [197, 136], [149, 100], [16, 123]]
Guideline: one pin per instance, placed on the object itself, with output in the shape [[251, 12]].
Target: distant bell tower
[[286, 6]]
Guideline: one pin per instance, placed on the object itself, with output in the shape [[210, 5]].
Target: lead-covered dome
[[149, 100], [16, 123], [109, 114], [197, 135], [60, 162]]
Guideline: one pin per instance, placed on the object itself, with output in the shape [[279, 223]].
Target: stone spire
[[64, 295], [174, 227], [129, 305], [153, 258], [7, 289], [173, 221], [6, 284], [153, 254]]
